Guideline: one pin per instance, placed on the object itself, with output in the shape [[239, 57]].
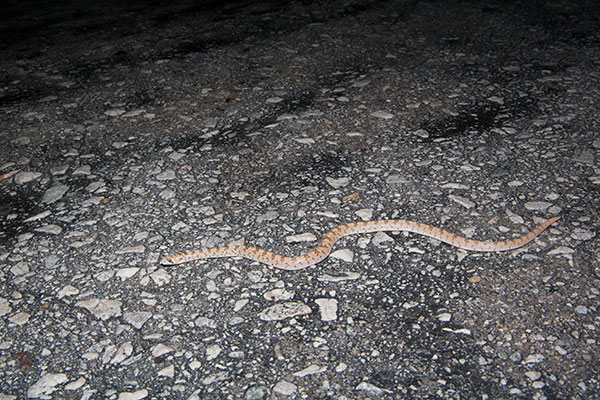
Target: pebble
[[204, 322], [278, 295], [133, 249], [166, 176], [137, 319], [75, 385], [46, 385], [534, 359], [160, 277], [256, 392], [302, 237], [168, 371], [327, 308], [463, 201], [366, 214], [4, 307], [310, 370], [581, 310], [82, 170], [137, 395], [274, 100], [347, 276], [25, 177], [101, 308], [213, 352], [284, 388], [343, 254], [161, 349], [49, 228], [55, 193], [369, 387], [337, 182], [444, 317], [39, 216], [382, 115], [20, 318], [283, 311], [582, 234], [537, 205]]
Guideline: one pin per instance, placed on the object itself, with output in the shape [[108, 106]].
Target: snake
[[330, 238]]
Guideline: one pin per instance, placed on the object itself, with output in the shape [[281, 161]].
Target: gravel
[[132, 131]]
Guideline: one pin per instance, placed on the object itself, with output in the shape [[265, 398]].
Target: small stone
[[137, 319], [278, 294], [24, 177], [74, 385], [537, 205], [82, 170], [463, 201], [160, 277], [168, 371], [46, 385], [160, 350], [39, 216], [213, 352], [283, 311], [366, 214], [55, 193], [167, 194], [533, 375], [338, 183], [256, 392], [166, 176], [581, 310], [50, 229], [369, 387], [582, 234], [328, 309], [20, 318], [122, 353], [343, 254], [310, 370], [115, 112], [4, 307], [101, 308], [284, 388], [268, 216], [239, 304], [302, 237], [20, 268], [204, 322], [274, 100], [534, 359], [382, 115], [67, 290], [445, 317], [133, 249], [137, 395], [125, 273], [396, 179]]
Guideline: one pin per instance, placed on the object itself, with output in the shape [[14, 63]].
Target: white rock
[[239, 304], [213, 352], [347, 276], [125, 273], [327, 308], [74, 385], [310, 370], [124, 351], [166, 176], [160, 277], [537, 205], [283, 311], [24, 177], [161, 349], [581, 310], [137, 319], [46, 385], [302, 237], [284, 388], [67, 290], [444, 317], [115, 112], [338, 183], [20, 318], [55, 193], [369, 387], [274, 100], [101, 308], [168, 371], [278, 294], [343, 254], [533, 375], [82, 170], [137, 395], [20, 268], [4, 307], [49, 228], [205, 322], [534, 358], [382, 115], [365, 214], [396, 179], [39, 216], [463, 201], [132, 249]]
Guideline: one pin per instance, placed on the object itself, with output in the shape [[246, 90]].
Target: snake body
[[324, 248]]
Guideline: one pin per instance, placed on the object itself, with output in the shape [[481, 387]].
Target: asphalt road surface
[[133, 130]]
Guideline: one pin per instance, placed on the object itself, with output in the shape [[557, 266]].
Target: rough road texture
[[144, 128]]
